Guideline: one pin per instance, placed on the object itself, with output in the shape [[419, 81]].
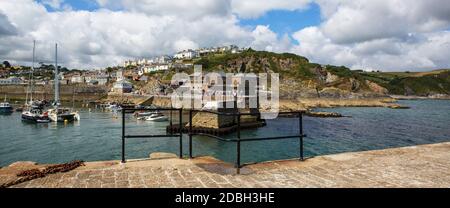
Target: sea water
[[97, 137]]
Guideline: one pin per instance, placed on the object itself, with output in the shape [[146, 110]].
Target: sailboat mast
[[56, 76], [31, 74]]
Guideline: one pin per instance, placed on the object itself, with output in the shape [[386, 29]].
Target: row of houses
[[165, 60], [11, 81]]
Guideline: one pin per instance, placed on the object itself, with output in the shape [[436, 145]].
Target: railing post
[[171, 122], [190, 133], [238, 145], [181, 132], [300, 120], [123, 136]]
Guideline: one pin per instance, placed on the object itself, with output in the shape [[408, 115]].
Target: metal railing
[[125, 136], [237, 116]]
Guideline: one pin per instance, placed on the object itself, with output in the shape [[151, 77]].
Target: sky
[[387, 35]]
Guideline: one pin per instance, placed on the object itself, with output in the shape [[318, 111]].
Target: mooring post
[[238, 145], [190, 133], [181, 132], [300, 120], [123, 136]]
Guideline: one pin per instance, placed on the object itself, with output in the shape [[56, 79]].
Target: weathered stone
[[162, 155], [421, 166], [22, 164]]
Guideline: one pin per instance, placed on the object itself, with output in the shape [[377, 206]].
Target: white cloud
[[267, 40], [430, 51], [105, 37], [256, 8], [383, 34], [6, 28], [191, 9], [363, 20]]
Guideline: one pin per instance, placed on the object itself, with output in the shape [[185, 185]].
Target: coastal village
[[224, 94], [130, 78], [146, 84]]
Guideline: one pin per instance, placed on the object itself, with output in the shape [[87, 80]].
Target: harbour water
[[98, 136]]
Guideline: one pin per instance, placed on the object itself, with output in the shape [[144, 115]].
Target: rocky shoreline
[[410, 97]]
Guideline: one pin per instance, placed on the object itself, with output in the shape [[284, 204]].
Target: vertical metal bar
[[123, 136], [300, 120], [181, 132], [171, 122], [190, 133], [258, 105], [238, 145]]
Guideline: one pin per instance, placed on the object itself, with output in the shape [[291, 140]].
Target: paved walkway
[[419, 166]]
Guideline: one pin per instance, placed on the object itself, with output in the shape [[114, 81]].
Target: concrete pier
[[418, 166]]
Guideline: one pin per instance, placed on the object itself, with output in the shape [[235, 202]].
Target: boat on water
[[57, 113], [33, 111], [35, 115], [63, 115], [5, 107], [143, 114], [157, 117], [115, 108]]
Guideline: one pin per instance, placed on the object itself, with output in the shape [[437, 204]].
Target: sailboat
[[32, 112], [5, 107], [59, 114]]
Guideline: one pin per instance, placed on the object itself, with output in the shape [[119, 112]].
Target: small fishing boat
[[143, 114], [157, 118], [63, 115], [114, 107], [5, 107], [35, 115]]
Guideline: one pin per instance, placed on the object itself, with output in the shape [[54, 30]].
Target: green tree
[[7, 64]]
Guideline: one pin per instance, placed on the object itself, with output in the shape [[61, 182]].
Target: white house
[[130, 63], [77, 79], [155, 68], [101, 79], [187, 54], [11, 81], [123, 86]]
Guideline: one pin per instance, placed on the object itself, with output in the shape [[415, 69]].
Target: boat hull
[[35, 119], [159, 119], [63, 118], [6, 110]]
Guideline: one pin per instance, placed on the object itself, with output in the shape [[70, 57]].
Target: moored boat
[[157, 118], [62, 115], [35, 115], [143, 114], [58, 114], [5, 107]]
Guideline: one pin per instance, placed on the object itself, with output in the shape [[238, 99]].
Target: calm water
[[97, 136]]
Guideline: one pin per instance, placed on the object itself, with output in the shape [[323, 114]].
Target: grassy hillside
[[291, 67], [260, 62], [419, 83], [298, 69]]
